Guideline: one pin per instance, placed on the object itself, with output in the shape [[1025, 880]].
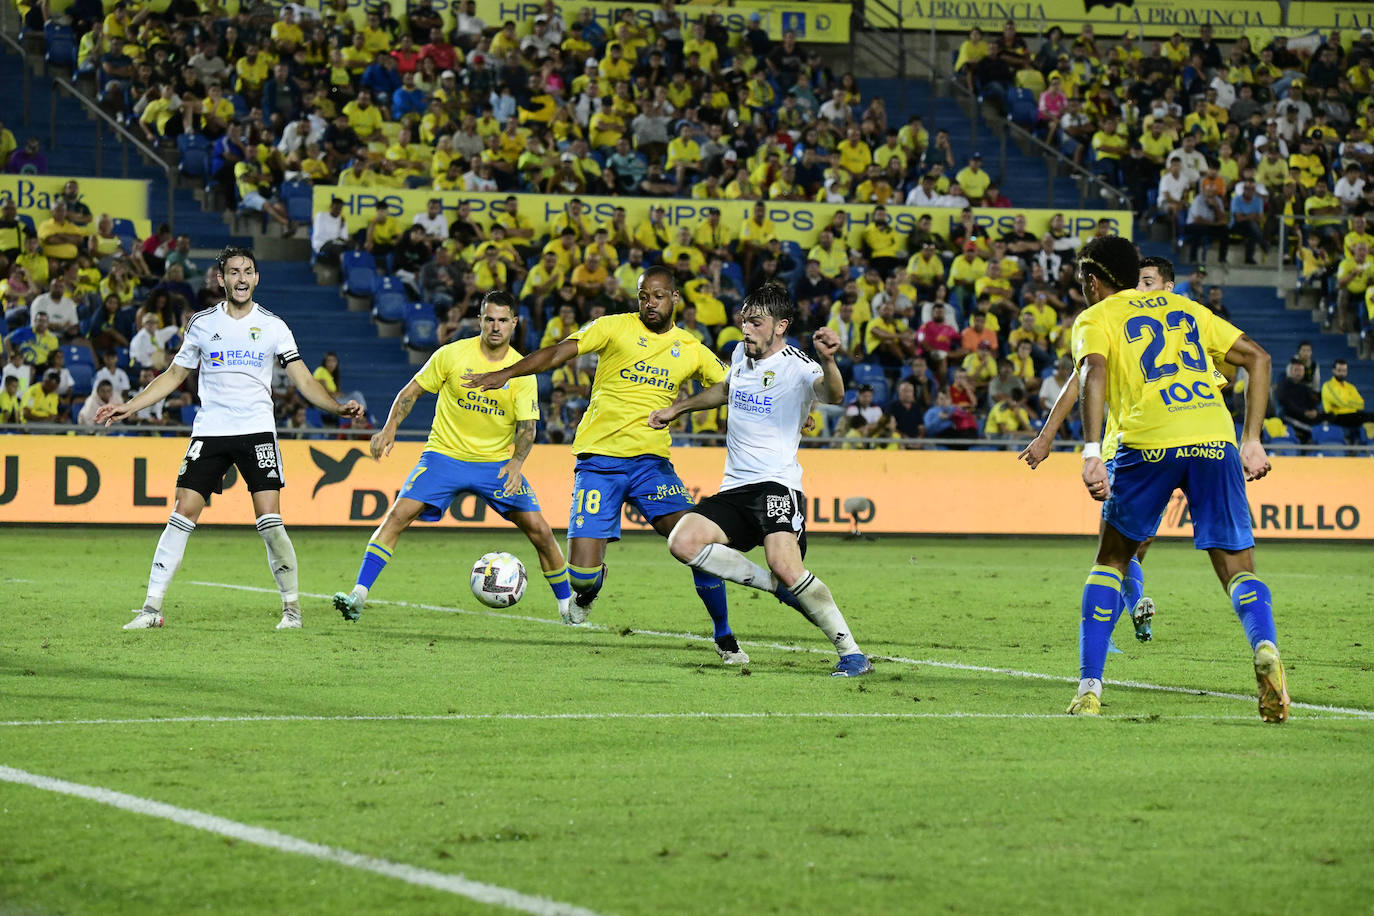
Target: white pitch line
[[753, 644], [261, 836], [594, 716]]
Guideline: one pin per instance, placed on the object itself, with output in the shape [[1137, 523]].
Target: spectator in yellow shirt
[[883, 244], [364, 117], [684, 247], [489, 273], [854, 153], [708, 55], [973, 178], [1009, 419], [712, 235], [589, 277], [1342, 401], [41, 404], [964, 272], [833, 258], [684, 155], [755, 235]]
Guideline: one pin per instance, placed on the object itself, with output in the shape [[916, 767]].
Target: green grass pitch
[[620, 768]]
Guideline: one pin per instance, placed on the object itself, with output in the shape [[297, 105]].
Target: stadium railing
[[877, 44], [688, 439]]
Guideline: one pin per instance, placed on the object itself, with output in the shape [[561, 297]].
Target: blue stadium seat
[[27, 222], [421, 327], [359, 272], [728, 350], [314, 418], [544, 381], [122, 358], [125, 229], [1326, 434], [193, 155], [389, 301], [870, 374], [298, 196], [880, 390], [78, 355], [1276, 446], [82, 374], [61, 45]]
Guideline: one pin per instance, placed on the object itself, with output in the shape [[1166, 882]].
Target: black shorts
[[208, 459], [750, 513]]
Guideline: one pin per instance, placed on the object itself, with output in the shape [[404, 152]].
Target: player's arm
[[829, 388], [316, 393], [1039, 448], [169, 381], [539, 361], [382, 440], [1093, 394], [705, 399], [1256, 362], [524, 441]]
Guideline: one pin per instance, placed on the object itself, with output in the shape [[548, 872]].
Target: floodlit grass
[[622, 769]]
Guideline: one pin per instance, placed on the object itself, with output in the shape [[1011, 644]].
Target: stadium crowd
[[946, 330]]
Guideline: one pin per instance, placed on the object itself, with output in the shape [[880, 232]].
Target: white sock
[[281, 556], [361, 592], [1091, 685], [820, 609], [731, 565], [170, 548]]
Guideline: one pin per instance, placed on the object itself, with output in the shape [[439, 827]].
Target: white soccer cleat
[[290, 619], [144, 620], [1141, 615], [727, 647]]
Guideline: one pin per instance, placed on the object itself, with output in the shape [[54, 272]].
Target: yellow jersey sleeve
[[472, 425]]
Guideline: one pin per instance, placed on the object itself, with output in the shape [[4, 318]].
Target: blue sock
[[1254, 606], [1134, 586], [558, 581], [712, 593], [585, 580], [374, 561], [1101, 606]]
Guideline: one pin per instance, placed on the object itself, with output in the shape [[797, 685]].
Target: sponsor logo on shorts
[[1154, 455], [267, 455], [779, 507], [1216, 451]]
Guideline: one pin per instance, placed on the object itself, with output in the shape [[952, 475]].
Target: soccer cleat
[[583, 601], [348, 604], [1141, 616], [727, 647], [1085, 704], [852, 665], [1272, 684], [290, 619], [144, 619]]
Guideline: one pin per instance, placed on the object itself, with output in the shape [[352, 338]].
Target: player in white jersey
[[770, 390], [234, 345]]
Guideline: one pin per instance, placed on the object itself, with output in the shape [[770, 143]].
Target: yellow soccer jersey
[[1160, 382], [638, 372], [473, 425]]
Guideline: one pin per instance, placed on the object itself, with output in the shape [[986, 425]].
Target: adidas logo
[[215, 338], [271, 473]]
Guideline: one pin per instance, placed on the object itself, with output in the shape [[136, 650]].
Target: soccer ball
[[498, 579]]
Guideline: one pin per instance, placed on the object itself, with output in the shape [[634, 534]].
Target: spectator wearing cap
[[973, 179]]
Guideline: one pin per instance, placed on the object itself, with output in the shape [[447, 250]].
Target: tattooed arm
[[524, 441], [383, 440]]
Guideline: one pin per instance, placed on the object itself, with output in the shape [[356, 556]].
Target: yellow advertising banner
[[1152, 18], [1350, 16], [798, 222], [121, 480], [33, 195], [824, 23]]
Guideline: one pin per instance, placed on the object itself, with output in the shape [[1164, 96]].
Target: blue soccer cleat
[[852, 665], [1141, 615]]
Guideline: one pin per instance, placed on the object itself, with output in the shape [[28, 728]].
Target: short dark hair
[[1339, 361], [499, 297], [1163, 265], [770, 299], [234, 251], [658, 270], [1113, 260]]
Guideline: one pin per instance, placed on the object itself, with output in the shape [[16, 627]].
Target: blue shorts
[[1210, 476], [602, 486], [438, 479]]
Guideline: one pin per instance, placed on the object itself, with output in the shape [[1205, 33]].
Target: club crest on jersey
[[676, 351], [255, 333], [768, 378], [644, 341]]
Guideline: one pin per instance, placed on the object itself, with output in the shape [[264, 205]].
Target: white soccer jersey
[[770, 399], [235, 359]]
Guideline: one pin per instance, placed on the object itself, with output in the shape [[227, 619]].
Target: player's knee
[[683, 542]]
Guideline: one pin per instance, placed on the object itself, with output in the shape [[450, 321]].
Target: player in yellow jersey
[[1155, 274], [1145, 357], [644, 361], [469, 451]]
